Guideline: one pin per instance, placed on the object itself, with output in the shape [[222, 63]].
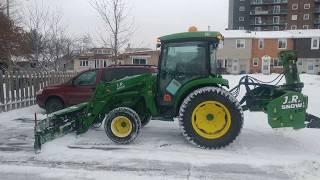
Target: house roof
[[294, 34]]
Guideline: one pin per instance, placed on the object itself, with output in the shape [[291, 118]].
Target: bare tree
[[36, 20], [10, 40], [117, 23]]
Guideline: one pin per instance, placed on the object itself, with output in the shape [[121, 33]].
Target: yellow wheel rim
[[211, 119], [121, 126]]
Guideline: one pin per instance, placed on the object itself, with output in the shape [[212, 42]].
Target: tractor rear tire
[[122, 125], [210, 118]]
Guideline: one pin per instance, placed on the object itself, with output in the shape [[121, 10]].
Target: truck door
[[83, 86]]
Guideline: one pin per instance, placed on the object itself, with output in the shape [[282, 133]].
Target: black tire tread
[[217, 90]]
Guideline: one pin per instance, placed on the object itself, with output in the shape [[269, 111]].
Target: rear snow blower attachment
[[285, 105]]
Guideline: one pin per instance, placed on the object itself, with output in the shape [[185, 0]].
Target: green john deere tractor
[[188, 87]]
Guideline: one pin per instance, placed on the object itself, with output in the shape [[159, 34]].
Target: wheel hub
[[211, 119], [121, 126]]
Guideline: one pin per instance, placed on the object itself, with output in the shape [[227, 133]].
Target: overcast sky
[[152, 18]]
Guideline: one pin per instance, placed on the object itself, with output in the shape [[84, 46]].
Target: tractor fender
[[189, 87]]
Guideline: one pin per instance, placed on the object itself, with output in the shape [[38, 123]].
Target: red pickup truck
[[80, 88]]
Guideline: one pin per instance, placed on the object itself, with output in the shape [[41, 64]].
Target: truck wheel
[[122, 125], [210, 118], [53, 105]]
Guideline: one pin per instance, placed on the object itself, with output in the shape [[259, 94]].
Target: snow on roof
[[294, 34]]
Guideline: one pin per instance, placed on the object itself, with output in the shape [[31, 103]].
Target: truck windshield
[[187, 58]]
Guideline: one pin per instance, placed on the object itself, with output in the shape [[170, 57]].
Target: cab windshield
[[186, 58]]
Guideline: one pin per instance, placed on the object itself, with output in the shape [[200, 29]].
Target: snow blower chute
[[188, 86]]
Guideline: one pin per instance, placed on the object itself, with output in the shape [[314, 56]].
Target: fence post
[[17, 94], [23, 89], [2, 108]]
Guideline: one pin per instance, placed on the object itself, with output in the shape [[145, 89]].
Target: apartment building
[[274, 15]]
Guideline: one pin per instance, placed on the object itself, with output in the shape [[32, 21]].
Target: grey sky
[[152, 18]]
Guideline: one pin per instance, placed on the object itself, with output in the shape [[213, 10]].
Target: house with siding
[[308, 48], [95, 58], [144, 57], [266, 47], [234, 53], [257, 52]]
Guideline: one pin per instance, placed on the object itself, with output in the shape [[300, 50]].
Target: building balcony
[[268, 23], [317, 10], [269, 12], [268, 2], [317, 21]]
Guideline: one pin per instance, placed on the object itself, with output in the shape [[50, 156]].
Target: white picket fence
[[19, 89]]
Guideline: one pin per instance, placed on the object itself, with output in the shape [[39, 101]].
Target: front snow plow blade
[[58, 124]]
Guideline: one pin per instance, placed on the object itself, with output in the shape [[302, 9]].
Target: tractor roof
[[200, 36]]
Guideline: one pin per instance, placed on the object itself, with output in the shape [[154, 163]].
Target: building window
[[255, 62], [277, 62], [276, 19], [315, 43], [258, 20], [276, 1], [293, 27], [257, 28], [295, 6], [242, 8], [242, 0], [276, 9], [258, 9], [84, 63], [306, 6], [310, 67], [257, 1], [241, 43], [294, 17], [282, 43], [276, 28], [241, 27], [305, 27], [241, 18], [306, 17], [261, 43], [139, 61]]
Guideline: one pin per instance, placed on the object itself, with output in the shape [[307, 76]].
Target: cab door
[[181, 63]]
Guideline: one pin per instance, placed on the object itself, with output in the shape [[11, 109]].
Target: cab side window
[[86, 79]]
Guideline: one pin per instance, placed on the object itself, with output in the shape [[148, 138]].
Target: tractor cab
[[185, 57]]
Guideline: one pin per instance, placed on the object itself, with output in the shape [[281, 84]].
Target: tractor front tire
[[145, 120], [210, 118], [122, 125]]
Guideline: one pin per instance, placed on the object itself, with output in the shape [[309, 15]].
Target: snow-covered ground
[[161, 152]]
